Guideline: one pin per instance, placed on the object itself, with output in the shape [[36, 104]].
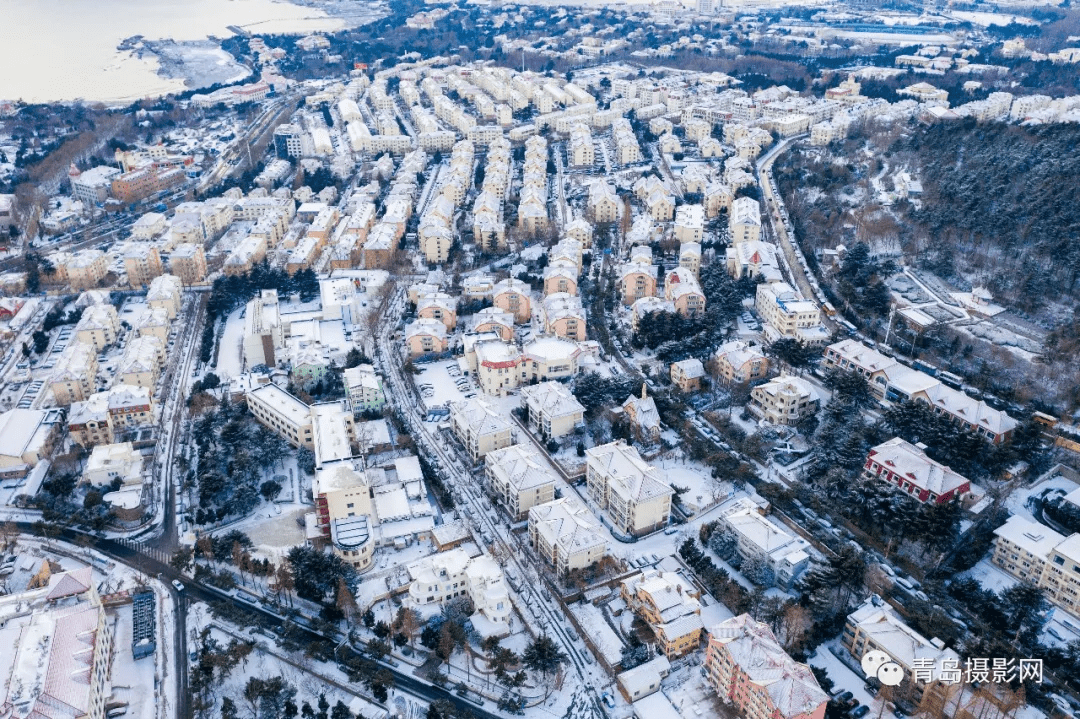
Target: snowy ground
[[274, 528], [601, 634], [1018, 500], [230, 359], [990, 576], [267, 661], [442, 383], [702, 489]]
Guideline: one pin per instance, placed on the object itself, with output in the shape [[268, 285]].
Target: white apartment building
[[479, 426], [282, 412], [98, 326], [166, 291], [787, 314], [446, 575], [784, 400], [552, 409], [760, 539], [1037, 554], [520, 478], [634, 494], [566, 535], [745, 220], [73, 378], [689, 223]]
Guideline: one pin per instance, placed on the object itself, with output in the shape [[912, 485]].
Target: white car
[[178, 585]]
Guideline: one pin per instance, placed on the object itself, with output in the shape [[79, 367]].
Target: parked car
[[844, 697], [859, 712]]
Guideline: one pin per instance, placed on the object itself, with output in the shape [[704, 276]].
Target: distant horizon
[[76, 58]]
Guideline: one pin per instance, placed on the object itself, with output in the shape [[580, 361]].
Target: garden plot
[[603, 637]]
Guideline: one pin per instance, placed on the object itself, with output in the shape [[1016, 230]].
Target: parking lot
[[440, 383]]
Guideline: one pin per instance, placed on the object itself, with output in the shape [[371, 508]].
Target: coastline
[[132, 67]]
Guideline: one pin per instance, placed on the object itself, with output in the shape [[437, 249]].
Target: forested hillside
[[1002, 199]]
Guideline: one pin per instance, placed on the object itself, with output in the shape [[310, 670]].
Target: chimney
[[644, 390]]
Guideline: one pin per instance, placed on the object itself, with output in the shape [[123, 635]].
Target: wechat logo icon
[[880, 666]]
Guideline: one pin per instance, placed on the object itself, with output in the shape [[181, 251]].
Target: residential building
[[753, 259], [552, 410], [636, 280], [513, 296], [364, 389], [603, 202], [479, 426], [907, 467], [643, 415], [737, 362], [634, 494], [282, 412], [142, 262], [690, 257], [438, 306], [682, 289], [749, 669], [105, 417], [166, 291], [425, 336], [689, 223], [550, 357], [86, 269], [109, 462], [188, 262], [669, 604], [142, 362], [787, 315], [745, 220], [153, 322], [564, 316], [580, 151], [566, 535], [1037, 554], [784, 400], [74, 376], [497, 366], [644, 679], [493, 319], [687, 374], [26, 437], [441, 577], [875, 626], [519, 478], [98, 326], [782, 555], [561, 276]]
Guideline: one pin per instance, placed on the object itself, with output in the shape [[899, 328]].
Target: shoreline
[[200, 63]]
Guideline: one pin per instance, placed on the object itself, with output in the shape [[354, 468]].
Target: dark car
[[844, 697], [859, 712]]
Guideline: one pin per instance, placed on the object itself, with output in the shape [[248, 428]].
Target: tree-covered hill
[[1005, 198]]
